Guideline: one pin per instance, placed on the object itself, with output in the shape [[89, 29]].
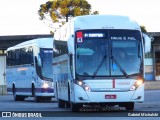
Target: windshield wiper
[[141, 67], [99, 66], [120, 67], [47, 78]]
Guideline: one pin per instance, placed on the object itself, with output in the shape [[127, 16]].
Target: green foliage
[[143, 29], [95, 13], [62, 9]]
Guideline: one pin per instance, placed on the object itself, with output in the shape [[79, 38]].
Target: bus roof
[[104, 22], [41, 42]]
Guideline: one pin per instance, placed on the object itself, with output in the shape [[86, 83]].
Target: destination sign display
[[122, 38], [90, 35]]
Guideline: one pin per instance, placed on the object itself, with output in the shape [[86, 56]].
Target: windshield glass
[[46, 57], [126, 50], [91, 54], [108, 53]]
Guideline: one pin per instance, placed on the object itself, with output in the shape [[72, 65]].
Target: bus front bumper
[[82, 96]]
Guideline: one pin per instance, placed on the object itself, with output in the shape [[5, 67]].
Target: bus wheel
[[22, 98], [68, 105], [129, 105], [61, 103], [14, 94], [48, 98], [16, 97], [36, 98], [75, 107]]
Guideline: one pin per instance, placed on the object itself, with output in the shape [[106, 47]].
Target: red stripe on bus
[[113, 83]]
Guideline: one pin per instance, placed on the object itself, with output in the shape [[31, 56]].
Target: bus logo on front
[[79, 37]]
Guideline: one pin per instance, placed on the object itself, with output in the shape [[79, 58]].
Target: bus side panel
[[60, 76], [10, 78], [25, 78], [21, 77]]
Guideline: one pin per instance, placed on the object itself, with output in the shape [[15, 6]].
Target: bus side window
[[38, 67], [9, 59], [30, 55], [70, 55]]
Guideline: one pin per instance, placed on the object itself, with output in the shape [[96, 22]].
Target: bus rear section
[[29, 70]]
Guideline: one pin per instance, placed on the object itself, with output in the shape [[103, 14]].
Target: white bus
[[99, 60], [29, 70]]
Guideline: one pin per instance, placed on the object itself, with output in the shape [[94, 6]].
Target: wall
[[2, 74], [149, 74]]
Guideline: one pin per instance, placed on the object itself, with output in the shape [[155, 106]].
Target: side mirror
[[39, 60], [32, 64], [69, 54], [147, 43], [38, 67]]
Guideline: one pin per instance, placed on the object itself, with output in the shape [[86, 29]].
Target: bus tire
[[61, 103], [76, 107], [128, 105], [68, 105], [14, 94], [48, 98], [16, 97], [56, 95], [36, 98], [22, 98]]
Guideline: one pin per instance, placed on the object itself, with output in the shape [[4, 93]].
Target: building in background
[[152, 59]]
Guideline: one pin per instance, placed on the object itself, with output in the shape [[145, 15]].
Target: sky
[[19, 17]]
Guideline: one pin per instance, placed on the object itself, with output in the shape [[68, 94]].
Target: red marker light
[[79, 37], [79, 34]]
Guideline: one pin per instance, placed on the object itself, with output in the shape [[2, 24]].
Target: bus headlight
[[138, 83], [84, 85], [45, 85], [80, 83]]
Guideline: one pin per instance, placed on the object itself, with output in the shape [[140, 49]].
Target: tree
[[61, 10], [95, 12], [143, 29]]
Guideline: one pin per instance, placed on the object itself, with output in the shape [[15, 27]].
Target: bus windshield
[[108, 53], [46, 58]]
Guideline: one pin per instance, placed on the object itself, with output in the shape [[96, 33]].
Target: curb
[[3, 89]]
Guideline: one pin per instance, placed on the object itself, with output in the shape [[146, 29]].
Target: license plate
[[110, 96]]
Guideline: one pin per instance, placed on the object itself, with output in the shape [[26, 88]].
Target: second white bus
[[29, 70]]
